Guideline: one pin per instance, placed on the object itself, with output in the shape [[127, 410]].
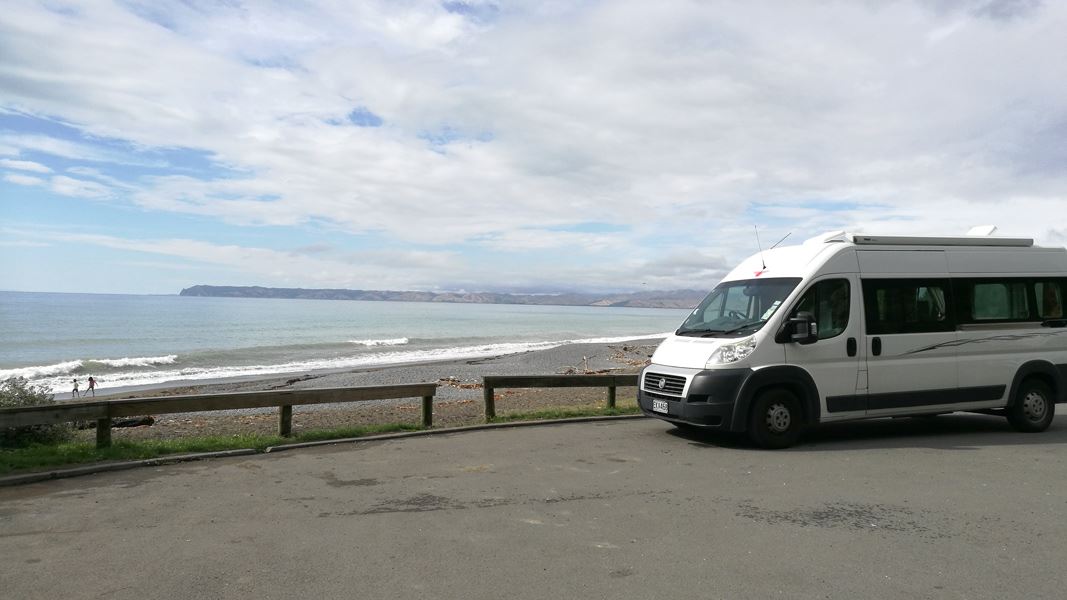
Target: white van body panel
[[685, 352], [966, 364], [902, 262], [997, 261], [789, 261], [836, 374]]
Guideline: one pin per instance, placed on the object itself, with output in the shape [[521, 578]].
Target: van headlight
[[731, 353]]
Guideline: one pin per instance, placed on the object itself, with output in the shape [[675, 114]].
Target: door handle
[[850, 346], [876, 346]]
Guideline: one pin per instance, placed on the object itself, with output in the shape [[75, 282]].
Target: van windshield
[[738, 307]]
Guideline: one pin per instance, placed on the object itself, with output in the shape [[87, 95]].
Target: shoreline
[[458, 401], [572, 358], [243, 382]]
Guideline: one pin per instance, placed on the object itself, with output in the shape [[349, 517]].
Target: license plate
[[659, 406]]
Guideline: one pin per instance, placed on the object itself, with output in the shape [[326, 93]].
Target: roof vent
[[985, 230], [826, 238]]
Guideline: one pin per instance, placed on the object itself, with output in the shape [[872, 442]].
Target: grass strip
[[566, 413], [46, 456]]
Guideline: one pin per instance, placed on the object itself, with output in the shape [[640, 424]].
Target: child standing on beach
[[75, 393], [92, 386]]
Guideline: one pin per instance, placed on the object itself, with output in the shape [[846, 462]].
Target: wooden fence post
[[285, 421], [427, 411], [103, 433], [490, 408], [611, 396]]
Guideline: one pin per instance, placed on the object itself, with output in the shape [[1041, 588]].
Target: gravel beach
[[458, 400]]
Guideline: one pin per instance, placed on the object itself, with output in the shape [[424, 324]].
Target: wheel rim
[[778, 418], [1035, 406]]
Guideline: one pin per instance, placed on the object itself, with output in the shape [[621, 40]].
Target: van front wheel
[[1033, 407], [776, 420]]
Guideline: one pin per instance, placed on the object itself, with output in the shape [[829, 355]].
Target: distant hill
[[669, 299]]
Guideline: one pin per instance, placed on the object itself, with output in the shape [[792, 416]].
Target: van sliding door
[[910, 334], [911, 344]]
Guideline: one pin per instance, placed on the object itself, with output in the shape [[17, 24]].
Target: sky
[[528, 146]]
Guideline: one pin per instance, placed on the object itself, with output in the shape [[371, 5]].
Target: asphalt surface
[[957, 506]]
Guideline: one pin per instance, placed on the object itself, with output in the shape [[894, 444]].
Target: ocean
[[127, 340]]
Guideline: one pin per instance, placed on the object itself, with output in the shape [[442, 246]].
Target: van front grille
[[660, 383]]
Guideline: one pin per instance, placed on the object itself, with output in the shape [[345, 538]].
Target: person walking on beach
[[92, 386], [75, 393]]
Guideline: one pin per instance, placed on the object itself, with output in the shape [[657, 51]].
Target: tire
[[1033, 407], [775, 421]]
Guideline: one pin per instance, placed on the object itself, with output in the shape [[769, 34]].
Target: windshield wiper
[[744, 326], [698, 332]]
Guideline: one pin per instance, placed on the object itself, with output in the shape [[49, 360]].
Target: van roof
[[861, 239], [816, 252]]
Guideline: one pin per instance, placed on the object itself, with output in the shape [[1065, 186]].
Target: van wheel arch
[[1043, 371], [788, 377]]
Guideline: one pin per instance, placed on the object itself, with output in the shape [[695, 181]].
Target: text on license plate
[[659, 406]]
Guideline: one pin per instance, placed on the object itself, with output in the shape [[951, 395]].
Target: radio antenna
[[760, 247], [780, 241]]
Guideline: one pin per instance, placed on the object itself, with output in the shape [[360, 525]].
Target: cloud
[[524, 240], [79, 188], [73, 150], [263, 266], [23, 244], [314, 249], [500, 126], [23, 179], [24, 165]]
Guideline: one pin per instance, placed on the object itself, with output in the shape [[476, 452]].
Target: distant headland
[[664, 299]]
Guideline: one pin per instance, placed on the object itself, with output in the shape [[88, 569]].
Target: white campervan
[[855, 326]]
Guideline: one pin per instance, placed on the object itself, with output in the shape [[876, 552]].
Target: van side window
[[906, 306], [829, 301], [1049, 295], [993, 300]]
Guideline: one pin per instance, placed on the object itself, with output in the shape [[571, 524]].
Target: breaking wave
[[76, 367], [63, 368], [57, 378], [144, 361]]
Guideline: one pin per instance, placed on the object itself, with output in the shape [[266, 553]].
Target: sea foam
[[141, 361], [73, 367], [395, 357], [372, 343], [63, 368]]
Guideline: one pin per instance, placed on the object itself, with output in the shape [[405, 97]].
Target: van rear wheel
[[1033, 407], [776, 420]]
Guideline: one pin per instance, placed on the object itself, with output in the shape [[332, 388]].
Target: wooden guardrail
[[103, 411], [492, 382]]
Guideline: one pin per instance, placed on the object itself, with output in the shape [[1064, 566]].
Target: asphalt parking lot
[[958, 506]]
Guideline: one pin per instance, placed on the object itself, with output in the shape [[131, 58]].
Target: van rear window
[[1049, 295], [1009, 299]]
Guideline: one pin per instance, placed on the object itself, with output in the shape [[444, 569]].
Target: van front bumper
[[708, 398]]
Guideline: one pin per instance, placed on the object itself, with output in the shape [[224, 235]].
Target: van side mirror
[[802, 329]]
